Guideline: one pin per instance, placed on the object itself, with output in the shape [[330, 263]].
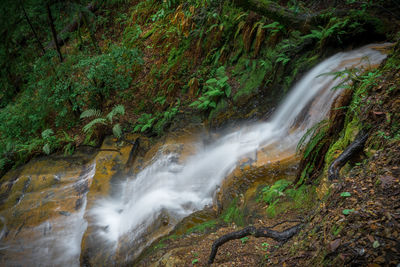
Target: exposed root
[[256, 232], [353, 148]]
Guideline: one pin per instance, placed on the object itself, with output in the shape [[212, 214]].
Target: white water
[[56, 241], [166, 187]]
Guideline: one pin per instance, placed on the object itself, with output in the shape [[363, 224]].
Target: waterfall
[[48, 221], [170, 188]]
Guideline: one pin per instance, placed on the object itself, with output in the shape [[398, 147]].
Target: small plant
[[347, 211], [107, 120], [272, 193], [345, 194], [49, 140], [244, 239], [214, 88], [196, 255], [265, 246], [145, 122]]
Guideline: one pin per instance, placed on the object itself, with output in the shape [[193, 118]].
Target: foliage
[[144, 123], [345, 194], [214, 89], [233, 214], [202, 227], [89, 128], [271, 193]]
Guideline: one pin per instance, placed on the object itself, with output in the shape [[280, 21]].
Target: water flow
[[56, 241], [167, 188]]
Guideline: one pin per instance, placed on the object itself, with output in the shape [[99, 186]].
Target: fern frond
[[46, 149], [89, 127], [3, 162], [118, 109], [117, 130], [310, 132], [90, 113], [47, 133]]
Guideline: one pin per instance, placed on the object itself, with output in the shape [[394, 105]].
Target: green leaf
[[228, 91], [89, 127], [46, 149], [195, 261], [117, 131], [345, 194], [90, 113], [212, 80], [117, 110], [46, 134], [376, 244], [347, 211], [244, 239]]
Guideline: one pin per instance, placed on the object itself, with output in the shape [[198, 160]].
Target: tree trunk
[[277, 12], [33, 29], [53, 31], [71, 27], [299, 21], [92, 37]]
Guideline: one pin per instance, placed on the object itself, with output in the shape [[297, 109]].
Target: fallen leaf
[[334, 244], [370, 238]]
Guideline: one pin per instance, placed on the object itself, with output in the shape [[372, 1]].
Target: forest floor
[[367, 235]]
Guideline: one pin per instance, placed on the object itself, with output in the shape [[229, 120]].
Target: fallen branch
[[353, 148], [256, 232]]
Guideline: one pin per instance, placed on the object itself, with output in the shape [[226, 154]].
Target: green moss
[[233, 214], [222, 106], [271, 193], [280, 198], [251, 75], [347, 135], [201, 228]]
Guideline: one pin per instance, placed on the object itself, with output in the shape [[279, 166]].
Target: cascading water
[[167, 188], [56, 241]]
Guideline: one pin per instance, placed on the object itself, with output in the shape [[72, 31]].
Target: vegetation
[[207, 55], [75, 71]]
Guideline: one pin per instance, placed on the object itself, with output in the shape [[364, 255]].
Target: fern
[[214, 88], [117, 131], [310, 133], [46, 149], [46, 134], [89, 127], [117, 110], [3, 162], [90, 113]]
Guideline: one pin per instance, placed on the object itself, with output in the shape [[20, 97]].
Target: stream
[[51, 214]]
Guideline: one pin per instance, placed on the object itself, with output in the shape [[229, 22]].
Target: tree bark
[[256, 232], [53, 31]]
